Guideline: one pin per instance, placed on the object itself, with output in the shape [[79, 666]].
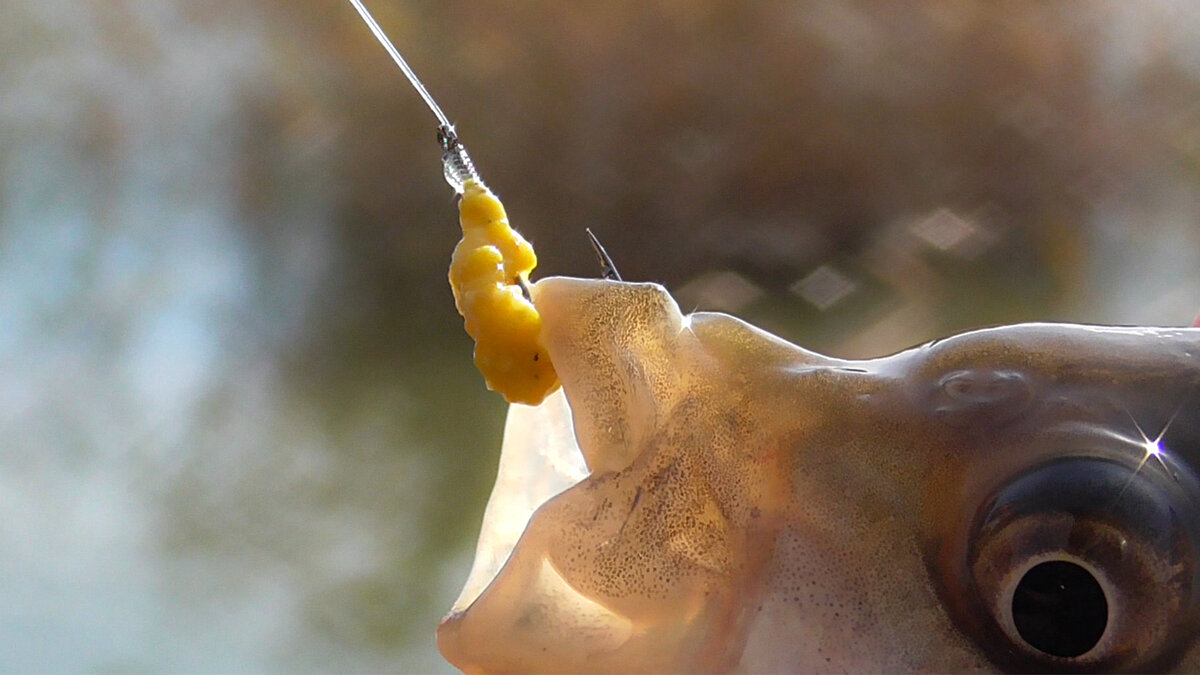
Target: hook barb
[[607, 269]]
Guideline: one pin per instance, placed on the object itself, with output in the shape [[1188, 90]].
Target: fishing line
[[457, 166], [408, 72]]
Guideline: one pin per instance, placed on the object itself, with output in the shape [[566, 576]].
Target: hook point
[[607, 269]]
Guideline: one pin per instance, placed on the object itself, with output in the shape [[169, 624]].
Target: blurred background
[[239, 425]]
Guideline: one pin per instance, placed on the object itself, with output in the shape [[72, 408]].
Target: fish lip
[[447, 635], [539, 460]]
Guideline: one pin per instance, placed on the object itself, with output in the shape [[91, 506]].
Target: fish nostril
[[1059, 608], [981, 396]]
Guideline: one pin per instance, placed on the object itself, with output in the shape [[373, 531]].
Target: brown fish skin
[[756, 507]]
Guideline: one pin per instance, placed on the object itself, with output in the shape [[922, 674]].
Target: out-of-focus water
[[239, 426]]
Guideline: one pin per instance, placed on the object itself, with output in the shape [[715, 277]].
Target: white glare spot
[[1153, 447]]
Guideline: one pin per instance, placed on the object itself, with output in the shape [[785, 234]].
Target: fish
[[703, 496]]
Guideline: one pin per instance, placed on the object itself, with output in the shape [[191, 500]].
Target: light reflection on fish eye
[[1154, 447]]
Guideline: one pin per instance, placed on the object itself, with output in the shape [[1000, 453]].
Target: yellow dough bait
[[487, 270]]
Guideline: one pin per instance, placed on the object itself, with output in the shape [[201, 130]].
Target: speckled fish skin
[[751, 506]]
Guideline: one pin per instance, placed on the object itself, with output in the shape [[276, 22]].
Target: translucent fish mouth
[[618, 537], [540, 458]]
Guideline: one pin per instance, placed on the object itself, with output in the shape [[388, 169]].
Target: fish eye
[[1060, 608], [1083, 564]]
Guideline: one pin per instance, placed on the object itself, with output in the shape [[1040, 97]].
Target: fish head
[[703, 496]]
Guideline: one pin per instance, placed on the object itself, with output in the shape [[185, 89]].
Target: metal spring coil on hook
[[456, 163]]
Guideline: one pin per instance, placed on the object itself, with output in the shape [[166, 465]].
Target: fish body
[[703, 496]]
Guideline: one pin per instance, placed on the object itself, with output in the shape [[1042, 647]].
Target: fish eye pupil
[[1059, 608]]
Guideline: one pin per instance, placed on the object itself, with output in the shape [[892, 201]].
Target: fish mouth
[[539, 459], [610, 542], [541, 456]]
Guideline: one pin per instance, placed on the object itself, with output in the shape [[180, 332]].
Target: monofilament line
[[408, 72]]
